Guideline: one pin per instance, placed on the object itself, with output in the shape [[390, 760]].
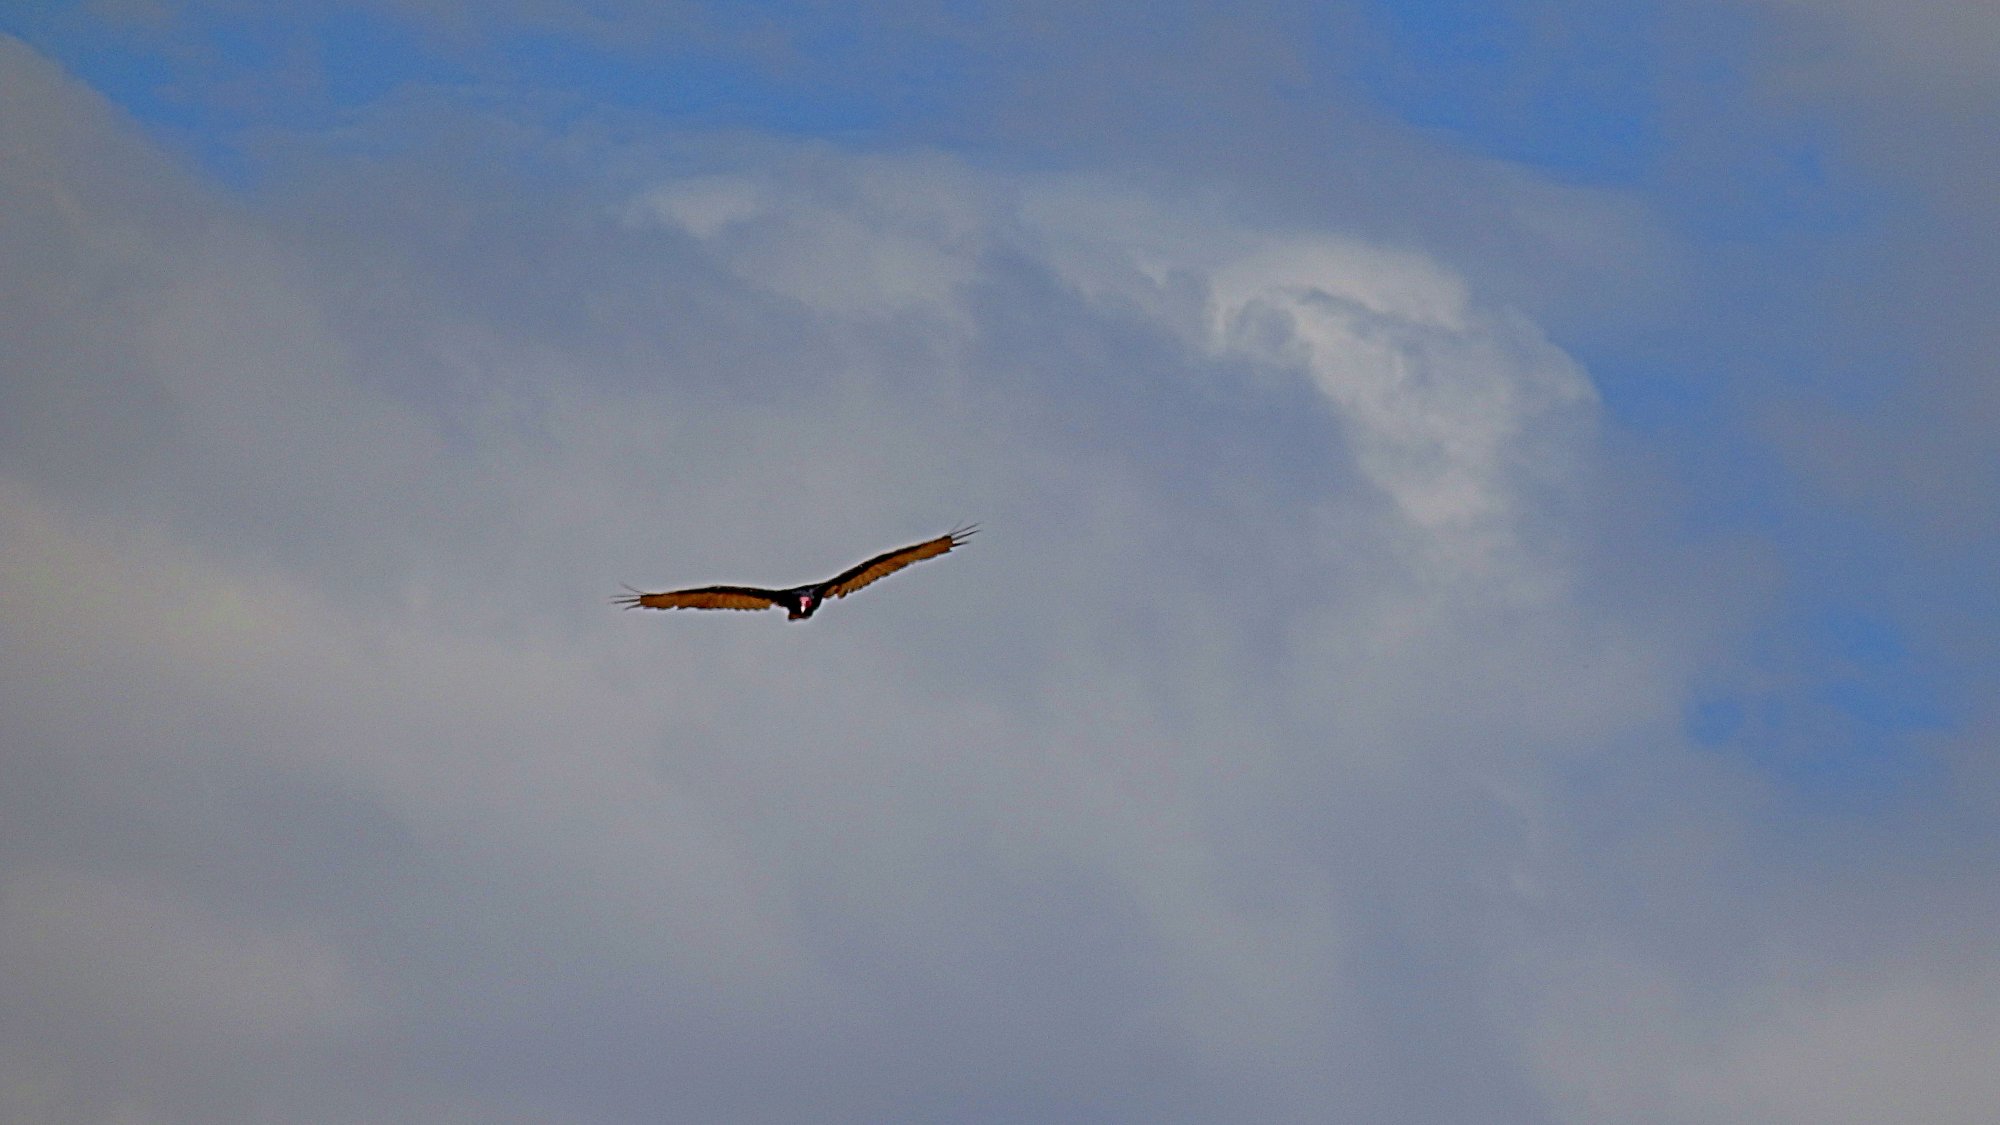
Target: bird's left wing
[[883, 565], [706, 597]]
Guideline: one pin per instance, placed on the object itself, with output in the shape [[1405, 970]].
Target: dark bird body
[[799, 602]]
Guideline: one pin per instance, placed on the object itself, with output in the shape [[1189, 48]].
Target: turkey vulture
[[799, 602]]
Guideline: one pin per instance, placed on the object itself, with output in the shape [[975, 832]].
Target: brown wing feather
[[707, 597], [887, 563]]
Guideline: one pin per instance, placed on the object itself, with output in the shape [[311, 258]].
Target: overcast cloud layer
[[1323, 728]]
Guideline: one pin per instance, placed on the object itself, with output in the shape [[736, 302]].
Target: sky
[[1483, 611]]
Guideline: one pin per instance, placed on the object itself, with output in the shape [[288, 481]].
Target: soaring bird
[[799, 602]]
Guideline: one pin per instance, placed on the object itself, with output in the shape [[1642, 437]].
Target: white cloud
[[86, 949], [1856, 1044], [903, 239], [1232, 774], [1935, 47], [1445, 402], [117, 992]]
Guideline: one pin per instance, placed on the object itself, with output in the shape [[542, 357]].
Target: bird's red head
[[804, 606]]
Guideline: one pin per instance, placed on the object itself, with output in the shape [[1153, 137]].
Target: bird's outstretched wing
[[883, 565], [707, 597]]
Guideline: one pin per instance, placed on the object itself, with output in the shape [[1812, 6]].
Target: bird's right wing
[[706, 597]]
